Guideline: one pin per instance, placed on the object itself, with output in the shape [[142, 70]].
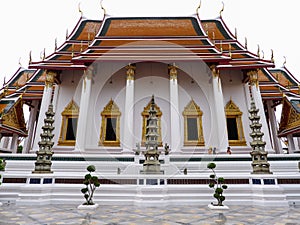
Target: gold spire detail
[[258, 51], [67, 34], [30, 58], [246, 43], [199, 6], [104, 11], [235, 33], [55, 44], [20, 64], [79, 10], [222, 9], [272, 56], [263, 54], [284, 61]]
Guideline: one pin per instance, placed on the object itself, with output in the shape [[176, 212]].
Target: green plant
[[218, 184], [91, 183]]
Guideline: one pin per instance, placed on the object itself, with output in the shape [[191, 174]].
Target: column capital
[[173, 71], [215, 71], [88, 73], [130, 72], [50, 77], [253, 77]]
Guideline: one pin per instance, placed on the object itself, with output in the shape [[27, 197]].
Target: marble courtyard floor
[[131, 215]]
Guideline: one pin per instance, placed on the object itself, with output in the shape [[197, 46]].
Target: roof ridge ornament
[[199, 6], [272, 56], [258, 51], [20, 64], [67, 34], [104, 11], [55, 44], [235, 33], [246, 43], [283, 65], [79, 9], [222, 9], [30, 58]]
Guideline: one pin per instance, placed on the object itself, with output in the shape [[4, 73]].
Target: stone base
[[211, 206], [95, 206], [151, 169]]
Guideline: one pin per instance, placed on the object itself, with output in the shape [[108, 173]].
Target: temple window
[[69, 124], [110, 125], [234, 125], [145, 115], [193, 133]]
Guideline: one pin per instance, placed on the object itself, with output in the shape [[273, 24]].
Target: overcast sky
[[33, 25]]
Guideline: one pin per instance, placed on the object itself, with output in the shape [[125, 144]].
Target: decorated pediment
[[192, 109], [232, 108], [71, 109], [147, 108], [111, 109]]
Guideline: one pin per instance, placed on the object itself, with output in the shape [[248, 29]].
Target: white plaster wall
[[70, 88], [233, 88]]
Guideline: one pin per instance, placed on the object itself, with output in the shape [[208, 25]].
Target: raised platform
[[122, 183]]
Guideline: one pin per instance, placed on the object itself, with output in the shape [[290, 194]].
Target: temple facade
[[101, 80]]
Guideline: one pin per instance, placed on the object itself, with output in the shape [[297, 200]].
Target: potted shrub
[[91, 182], [218, 184]]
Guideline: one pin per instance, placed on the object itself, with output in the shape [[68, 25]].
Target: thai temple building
[[106, 76]]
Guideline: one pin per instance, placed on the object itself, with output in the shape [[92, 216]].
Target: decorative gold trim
[[253, 77], [130, 72], [232, 111], [50, 77], [192, 110], [70, 111], [173, 71], [145, 115], [215, 71], [111, 110]]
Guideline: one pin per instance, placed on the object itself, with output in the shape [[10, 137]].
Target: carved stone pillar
[[46, 100], [174, 110], [84, 109], [128, 135], [255, 91], [220, 132]]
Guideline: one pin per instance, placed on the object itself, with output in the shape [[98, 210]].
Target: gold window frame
[[70, 111], [192, 110], [111, 110], [233, 111], [145, 115]]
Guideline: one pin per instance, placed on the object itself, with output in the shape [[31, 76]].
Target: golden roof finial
[[104, 11], [30, 58], [67, 34], [44, 54], [235, 33], [246, 43], [258, 51], [55, 44], [222, 9], [263, 54], [79, 10], [284, 61], [272, 56], [199, 6], [20, 64]]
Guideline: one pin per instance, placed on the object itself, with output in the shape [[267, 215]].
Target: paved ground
[[132, 215]]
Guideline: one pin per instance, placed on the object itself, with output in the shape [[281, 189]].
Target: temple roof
[[290, 117], [12, 117]]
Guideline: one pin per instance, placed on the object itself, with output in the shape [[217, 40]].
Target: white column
[[31, 127], [298, 140], [174, 110], [273, 123], [220, 117], [128, 135], [5, 142], [14, 143], [84, 109], [255, 91], [291, 143], [46, 100], [55, 96]]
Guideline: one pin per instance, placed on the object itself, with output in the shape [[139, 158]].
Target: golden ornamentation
[[199, 6], [130, 72], [111, 110], [215, 71], [222, 9], [272, 56], [50, 77], [253, 77], [145, 115], [173, 71], [192, 110], [70, 111], [233, 111], [284, 61], [104, 11], [258, 51]]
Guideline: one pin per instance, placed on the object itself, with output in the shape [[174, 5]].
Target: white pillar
[[174, 111], [291, 143], [220, 117], [84, 109], [14, 143], [273, 127], [298, 139], [46, 100], [31, 126], [5, 141], [255, 91], [128, 134], [55, 96]]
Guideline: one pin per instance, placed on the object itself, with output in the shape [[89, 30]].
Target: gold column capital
[[215, 71], [173, 72], [50, 77], [130, 72], [253, 77], [89, 72]]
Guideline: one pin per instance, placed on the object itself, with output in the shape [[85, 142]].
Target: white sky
[[33, 25]]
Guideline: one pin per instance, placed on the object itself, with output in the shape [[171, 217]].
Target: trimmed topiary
[[218, 184], [91, 183]]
